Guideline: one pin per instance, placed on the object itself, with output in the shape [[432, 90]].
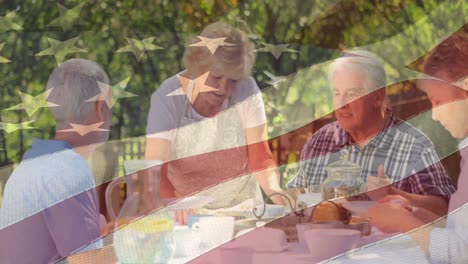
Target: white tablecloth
[[399, 249]]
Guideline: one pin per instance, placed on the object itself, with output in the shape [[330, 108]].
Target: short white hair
[[74, 82], [363, 61]]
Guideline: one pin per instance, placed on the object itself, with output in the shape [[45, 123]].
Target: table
[[377, 248], [397, 249]]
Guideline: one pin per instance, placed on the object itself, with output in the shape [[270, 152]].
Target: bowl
[[303, 227], [327, 243]]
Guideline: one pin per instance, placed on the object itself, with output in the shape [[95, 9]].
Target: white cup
[[271, 210], [214, 230], [326, 243], [302, 227], [187, 242], [309, 199]]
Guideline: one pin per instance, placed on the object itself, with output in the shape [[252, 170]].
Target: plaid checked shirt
[[408, 156]]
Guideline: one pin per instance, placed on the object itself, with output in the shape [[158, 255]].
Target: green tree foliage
[[400, 31]]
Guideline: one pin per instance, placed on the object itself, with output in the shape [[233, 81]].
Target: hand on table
[[107, 228], [104, 227], [398, 200], [391, 217]]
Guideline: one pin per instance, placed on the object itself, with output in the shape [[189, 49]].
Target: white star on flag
[[139, 47], [462, 82], [111, 97], [212, 44], [275, 50], [83, 130], [32, 103], [3, 59], [6, 24], [60, 49], [273, 79], [68, 17], [13, 127], [199, 86]]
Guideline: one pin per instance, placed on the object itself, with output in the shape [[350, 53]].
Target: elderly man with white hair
[[375, 139], [50, 207]]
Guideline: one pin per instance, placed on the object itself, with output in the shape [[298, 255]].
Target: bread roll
[[330, 212]]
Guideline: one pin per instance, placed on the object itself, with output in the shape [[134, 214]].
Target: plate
[[359, 208]]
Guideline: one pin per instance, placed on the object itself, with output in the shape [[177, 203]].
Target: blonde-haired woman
[[208, 122]]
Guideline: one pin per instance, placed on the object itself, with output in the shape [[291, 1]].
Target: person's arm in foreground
[[443, 245], [377, 191], [262, 163]]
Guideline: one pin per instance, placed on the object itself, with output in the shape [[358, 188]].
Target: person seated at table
[[448, 94], [50, 208], [375, 138], [208, 123]]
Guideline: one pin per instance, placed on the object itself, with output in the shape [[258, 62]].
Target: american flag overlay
[[232, 131]]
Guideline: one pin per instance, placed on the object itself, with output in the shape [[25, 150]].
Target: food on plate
[[330, 212]]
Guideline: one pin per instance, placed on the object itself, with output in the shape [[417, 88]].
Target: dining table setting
[[308, 230], [296, 238], [321, 223]]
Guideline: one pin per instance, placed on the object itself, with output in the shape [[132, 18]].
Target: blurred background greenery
[[401, 32]]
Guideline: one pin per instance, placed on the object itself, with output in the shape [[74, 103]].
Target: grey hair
[[363, 61], [72, 83]]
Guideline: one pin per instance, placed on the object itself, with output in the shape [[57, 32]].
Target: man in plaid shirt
[[375, 139]]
